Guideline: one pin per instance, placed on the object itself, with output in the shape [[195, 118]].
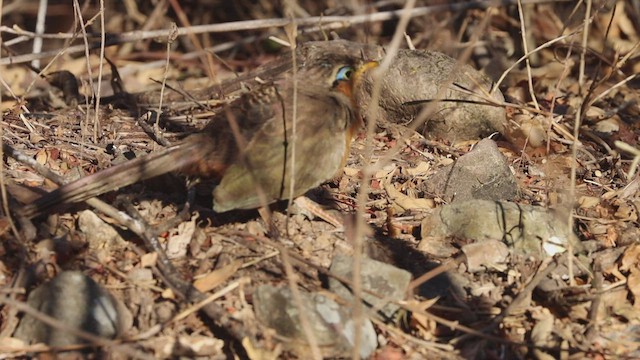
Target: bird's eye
[[344, 73]]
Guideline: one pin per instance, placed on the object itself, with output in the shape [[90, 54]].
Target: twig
[[40, 19], [496, 86], [318, 22], [78, 19], [596, 302], [545, 268], [205, 57], [525, 46], [96, 122], [636, 157], [585, 39], [368, 171], [170, 39], [150, 130]]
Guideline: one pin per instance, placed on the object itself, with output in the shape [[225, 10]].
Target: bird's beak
[[363, 69], [348, 88]]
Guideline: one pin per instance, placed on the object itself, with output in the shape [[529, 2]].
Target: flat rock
[[385, 280], [332, 325], [529, 230], [100, 235]]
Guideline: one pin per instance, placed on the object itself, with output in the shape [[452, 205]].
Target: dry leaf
[[425, 325], [351, 172], [421, 169], [178, 243], [259, 353], [168, 294], [149, 259], [633, 283], [41, 157], [217, 277], [631, 258], [405, 202], [587, 202]]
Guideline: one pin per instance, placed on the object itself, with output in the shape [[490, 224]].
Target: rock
[[78, 302], [483, 174], [100, 235], [529, 230], [383, 279], [332, 325], [483, 255], [413, 81]]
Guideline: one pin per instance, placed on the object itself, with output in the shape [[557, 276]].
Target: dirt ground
[[570, 141]]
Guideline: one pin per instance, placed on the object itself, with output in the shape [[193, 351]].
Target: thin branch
[[496, 86], [319, 22], [40, 20], [585, 38], [525, 47]]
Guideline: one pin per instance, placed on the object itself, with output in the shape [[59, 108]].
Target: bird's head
[[347, 77]]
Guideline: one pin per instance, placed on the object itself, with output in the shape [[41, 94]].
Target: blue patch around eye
[[344, 73]]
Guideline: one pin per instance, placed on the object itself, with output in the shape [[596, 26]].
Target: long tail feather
[[170, 159]]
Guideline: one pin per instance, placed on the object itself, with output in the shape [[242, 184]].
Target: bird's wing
[[322, 120]]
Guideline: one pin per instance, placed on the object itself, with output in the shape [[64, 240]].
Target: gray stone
[[332, 325], [79, 303], [483, 173], [529, 230], [100, 235], [413, 81], [387, 281]]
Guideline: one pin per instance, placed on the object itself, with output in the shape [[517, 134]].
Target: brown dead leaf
[[178, 242], [168, 294], [35, 138], [217, 277], [542, 331], [149, 259], [4, 225], [260, 353], [425, 325], [405, 202], [421, 169], [630, 262], [633, 284], [631, 258], [351, 172], [388, 352], [42, 157], [612, 237], [626, 210], [587, 202]]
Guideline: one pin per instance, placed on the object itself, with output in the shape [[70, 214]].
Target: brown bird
[[248, 147]]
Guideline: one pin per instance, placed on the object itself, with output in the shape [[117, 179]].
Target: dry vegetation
[[572, 144]]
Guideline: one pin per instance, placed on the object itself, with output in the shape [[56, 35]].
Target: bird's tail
[[158, 163]]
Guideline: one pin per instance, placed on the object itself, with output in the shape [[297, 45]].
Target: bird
[[248, 147]]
